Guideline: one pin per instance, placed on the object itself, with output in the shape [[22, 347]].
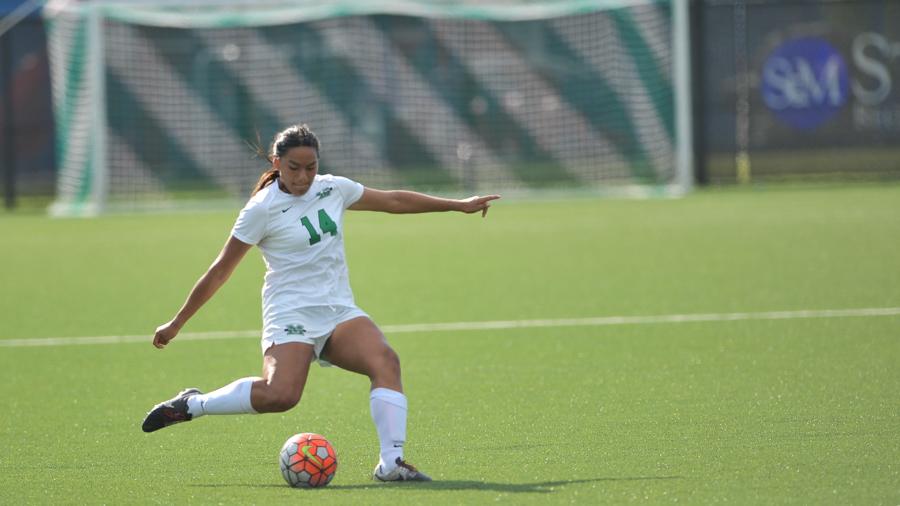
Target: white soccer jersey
[[302, 242]]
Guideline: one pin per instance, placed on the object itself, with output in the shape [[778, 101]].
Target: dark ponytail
[[266, 179], [291, 137]]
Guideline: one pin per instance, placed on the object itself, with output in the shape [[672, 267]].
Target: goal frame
[[81, 118]]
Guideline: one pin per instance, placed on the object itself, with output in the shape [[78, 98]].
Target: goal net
[[157, 106]]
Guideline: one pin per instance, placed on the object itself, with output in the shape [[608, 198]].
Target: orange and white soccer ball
[[307, 460]]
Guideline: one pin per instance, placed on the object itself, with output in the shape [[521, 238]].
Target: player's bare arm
[[210, 282], [402, 202]]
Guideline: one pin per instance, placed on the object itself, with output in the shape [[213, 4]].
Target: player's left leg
[[285, 369], [358, 345]]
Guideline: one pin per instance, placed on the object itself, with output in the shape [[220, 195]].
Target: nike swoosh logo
[[312, 457], [286, 210]]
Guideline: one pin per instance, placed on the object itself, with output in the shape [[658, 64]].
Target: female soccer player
[[295, 217]]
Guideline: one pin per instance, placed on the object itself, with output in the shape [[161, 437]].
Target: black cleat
[[170, 412]]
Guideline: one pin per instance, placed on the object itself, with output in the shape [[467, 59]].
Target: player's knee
[[284, 403], [280, 400], [389, 363]]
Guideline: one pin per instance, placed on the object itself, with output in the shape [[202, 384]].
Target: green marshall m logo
[[324, 193], [295, 330]]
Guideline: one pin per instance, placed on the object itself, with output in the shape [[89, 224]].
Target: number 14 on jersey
[[326, 225]]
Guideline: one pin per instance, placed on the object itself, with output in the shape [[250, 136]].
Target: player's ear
[[276, 163]]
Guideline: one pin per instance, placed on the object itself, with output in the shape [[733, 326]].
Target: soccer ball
[[307, 460]]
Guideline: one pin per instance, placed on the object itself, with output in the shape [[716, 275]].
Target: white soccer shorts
[[311, 325]]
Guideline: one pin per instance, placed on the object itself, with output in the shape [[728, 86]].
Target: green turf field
[[751, 411]]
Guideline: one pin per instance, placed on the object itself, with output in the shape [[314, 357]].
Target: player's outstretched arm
[[216, 276], [402, 201]]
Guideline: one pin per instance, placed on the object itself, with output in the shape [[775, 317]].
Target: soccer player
[[295, 216]]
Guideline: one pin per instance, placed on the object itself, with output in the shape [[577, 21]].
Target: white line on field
[[490, 325]]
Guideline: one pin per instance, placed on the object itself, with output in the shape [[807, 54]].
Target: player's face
[[297, 169]]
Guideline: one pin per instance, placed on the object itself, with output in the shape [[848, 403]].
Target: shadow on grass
[[545, 487]]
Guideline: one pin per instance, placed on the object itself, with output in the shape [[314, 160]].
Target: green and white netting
[[156, 105]]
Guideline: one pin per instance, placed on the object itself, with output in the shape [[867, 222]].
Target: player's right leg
[[285, 369], [358, 345]]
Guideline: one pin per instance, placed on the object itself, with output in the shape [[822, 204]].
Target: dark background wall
[[821, 83], [26, 116]]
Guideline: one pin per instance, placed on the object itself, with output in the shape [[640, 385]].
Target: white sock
[[232, 399], [389, 414]]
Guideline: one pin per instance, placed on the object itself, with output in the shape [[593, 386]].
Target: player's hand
[[165, 333], [476, 203]]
